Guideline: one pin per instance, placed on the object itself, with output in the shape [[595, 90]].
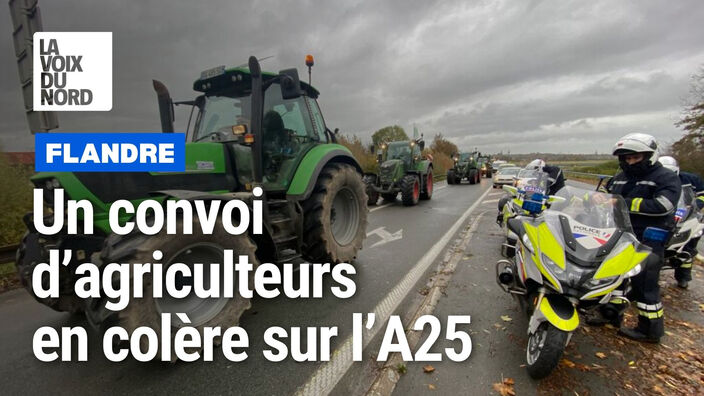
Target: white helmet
[[637, 143], [670, 163], [536, 164]]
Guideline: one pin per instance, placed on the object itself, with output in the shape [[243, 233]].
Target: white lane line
[[380, 207], [329, 373], [491, 201], [441, 187]]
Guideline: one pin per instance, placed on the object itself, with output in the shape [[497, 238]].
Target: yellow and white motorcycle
[[571, 256]]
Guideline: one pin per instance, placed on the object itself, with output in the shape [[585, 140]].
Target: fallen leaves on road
[[505, 387], [431, 386], [428, 369], [506, 318], [600, 355]]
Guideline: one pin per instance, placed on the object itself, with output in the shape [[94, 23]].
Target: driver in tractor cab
[[683, 273], [276, 144]]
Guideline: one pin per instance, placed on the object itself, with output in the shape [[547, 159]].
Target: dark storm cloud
[[497, 74]]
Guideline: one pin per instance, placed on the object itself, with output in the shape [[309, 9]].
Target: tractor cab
[[288, 123]]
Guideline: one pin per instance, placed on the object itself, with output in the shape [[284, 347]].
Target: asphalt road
[[380, 268]]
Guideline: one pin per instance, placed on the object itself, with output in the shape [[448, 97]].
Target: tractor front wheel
[[427, 192], [451, 177], [188, 250], [372, 194], [410, 190], [335, 216]]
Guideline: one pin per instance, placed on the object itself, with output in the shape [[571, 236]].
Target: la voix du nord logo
[[72, 71]]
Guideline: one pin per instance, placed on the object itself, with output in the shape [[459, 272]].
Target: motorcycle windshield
[[532, 182], [591, 224], [684, 205]]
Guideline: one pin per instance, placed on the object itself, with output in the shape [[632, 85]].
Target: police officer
[[651, 193], [683, 273]]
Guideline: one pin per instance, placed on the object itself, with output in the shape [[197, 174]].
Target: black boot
[[682, 284], [636, 335], [648, 330]]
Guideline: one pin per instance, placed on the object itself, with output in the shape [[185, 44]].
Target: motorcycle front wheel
[[544, 350]]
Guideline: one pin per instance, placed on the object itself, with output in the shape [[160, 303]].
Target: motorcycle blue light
[[532, 206]]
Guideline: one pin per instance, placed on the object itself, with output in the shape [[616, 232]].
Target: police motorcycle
[[689, 224], [530, 188], [569, 257]]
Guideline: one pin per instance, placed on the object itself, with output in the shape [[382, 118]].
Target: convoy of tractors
[[253, 131]]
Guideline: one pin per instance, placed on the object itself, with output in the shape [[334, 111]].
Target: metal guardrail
[[587, 175], [7, 253]]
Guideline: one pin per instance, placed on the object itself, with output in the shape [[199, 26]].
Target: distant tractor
[[466, 167], [404, 169], [484, 162]]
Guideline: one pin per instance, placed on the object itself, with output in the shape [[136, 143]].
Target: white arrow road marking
[[385, 236], [329, 373]]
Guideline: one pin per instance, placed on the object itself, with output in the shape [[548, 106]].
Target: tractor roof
[[238, 79]]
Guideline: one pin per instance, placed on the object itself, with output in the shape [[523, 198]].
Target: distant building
[[19, 158]]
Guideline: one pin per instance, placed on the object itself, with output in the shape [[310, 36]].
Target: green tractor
[[253, 131], [484, 163], [404, 169], [466, 167]]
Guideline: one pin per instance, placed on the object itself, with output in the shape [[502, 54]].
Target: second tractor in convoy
[[402, 168], [465, 166]]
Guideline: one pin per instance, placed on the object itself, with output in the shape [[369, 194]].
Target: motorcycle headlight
[[601, 282], [554, 268], [633, 272]]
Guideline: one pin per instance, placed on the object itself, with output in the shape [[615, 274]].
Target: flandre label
[[72, 71]]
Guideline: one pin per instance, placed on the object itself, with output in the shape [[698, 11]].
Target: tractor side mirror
[[379, 157], [421, 144], [372, 148], [290, 84]]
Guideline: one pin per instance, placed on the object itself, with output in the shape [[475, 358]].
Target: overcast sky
[[524, 76]]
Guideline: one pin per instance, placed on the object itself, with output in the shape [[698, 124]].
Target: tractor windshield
[[289, 128], [465, 157], [399, 150]]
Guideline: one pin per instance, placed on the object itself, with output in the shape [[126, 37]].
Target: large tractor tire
[[472, 177], [187, 249], [335, 216], [427, 191], [389, 197], [372, 194], [451, 177], [410, 190]]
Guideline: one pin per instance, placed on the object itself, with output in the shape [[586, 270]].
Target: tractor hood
[[389, 170]]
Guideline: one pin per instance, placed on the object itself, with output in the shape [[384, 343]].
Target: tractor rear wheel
[[188, 249], [427, 192], [335, 216], [372, 194], [410, 190], [472, 177], [451, 177]]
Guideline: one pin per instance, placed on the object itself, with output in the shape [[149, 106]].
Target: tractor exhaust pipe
[[166, 106], [256, 122]]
